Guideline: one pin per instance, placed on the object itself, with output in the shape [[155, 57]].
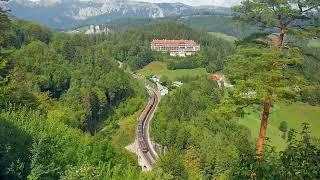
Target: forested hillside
[[69, 103], [211, 22], [56, 91], [133, 46], [206, 131], [201, 137], [59, 90]]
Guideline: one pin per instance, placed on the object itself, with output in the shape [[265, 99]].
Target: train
[[142, 137]]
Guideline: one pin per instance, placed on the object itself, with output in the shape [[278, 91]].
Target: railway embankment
[[143, 146]]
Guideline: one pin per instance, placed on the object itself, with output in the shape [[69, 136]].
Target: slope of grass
[[154, 66], [160, 68], [221, 24], [224, 36], [124, 136], [126, 132], [294, 114], [314, 43]]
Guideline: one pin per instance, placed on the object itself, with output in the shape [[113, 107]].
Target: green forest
[[133, 47], [66, 99], [57, 92], [211, 22]]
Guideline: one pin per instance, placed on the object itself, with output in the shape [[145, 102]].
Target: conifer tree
[[282, 15]]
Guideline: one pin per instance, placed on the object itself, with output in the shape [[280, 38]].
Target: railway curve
[[147, 153]]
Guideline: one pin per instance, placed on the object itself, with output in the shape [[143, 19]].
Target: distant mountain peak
[[70, 13], [33, 3]]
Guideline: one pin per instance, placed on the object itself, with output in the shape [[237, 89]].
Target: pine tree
[[283, 15]]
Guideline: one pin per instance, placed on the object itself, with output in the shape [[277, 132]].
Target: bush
[[283, 127], [166, 81], [184, 63], [311, 95], [211, 68]]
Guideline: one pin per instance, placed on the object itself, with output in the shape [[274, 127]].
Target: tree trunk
[[268, 100], [283, 30], [264, 125]]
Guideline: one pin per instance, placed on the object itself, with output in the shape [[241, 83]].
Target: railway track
[[152, 152], [143, 136]]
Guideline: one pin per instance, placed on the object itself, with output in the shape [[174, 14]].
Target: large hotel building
[[176, 47]]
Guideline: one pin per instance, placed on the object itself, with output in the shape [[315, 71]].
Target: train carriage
[[143, 117]]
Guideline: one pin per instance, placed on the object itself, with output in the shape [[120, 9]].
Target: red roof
[[164, 41], [215, 77]]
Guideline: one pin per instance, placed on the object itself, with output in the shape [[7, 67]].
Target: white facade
[[156, 79], [177, 84], [163, 90], [176, 47], [97, 29]]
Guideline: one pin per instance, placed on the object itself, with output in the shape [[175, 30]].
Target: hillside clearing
[[314, 43], [224, 36], [160, 68], [294, 114]]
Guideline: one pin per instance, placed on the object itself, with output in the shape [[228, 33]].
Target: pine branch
[[309, 9]]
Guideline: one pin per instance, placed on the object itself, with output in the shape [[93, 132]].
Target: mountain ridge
[[60, 14]]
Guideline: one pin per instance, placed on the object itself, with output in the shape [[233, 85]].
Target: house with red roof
[[176, 47]]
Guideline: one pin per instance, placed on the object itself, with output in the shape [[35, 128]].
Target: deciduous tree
[[4, 20]]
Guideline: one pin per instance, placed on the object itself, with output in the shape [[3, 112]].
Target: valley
[[112, 89], [159, 68]]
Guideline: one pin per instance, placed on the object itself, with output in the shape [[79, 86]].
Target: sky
[[225, 3]]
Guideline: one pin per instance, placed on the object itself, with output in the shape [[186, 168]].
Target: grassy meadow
[[224, 36], [314, 43], [160, 68], [294, 114]]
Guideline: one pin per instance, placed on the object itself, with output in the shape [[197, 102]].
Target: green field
[[224, 36], [160, 68], [314, 43], [294, 114]]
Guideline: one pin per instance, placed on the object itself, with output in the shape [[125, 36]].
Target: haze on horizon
[[224, 3]]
